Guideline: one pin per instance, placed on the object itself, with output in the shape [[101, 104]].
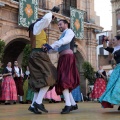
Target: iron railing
[[65, 10]]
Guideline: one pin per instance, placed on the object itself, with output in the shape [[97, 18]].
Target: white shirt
[[65, 40], [9, 68], [116, 48], [109, 73], [43, 23], [17, 71], [27, 72]]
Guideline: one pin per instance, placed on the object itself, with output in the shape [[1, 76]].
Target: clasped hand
[[46, 47]]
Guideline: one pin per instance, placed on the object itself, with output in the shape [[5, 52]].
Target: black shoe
[[66, 109], [40, 107], [34, 110], [74, 107], [21, 102], [50, 101], [119, 108], [14, 102], [7, 103]]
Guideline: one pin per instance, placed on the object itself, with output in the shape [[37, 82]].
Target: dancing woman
[[111, 96], [42, 72]]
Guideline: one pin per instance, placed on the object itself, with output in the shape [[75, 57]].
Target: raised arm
[[109, 49], [43, 23]]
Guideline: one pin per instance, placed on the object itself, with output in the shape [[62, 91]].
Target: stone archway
[[13, 50], [15, 41], [14, 34]]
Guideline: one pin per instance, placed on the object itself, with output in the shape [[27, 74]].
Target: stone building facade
[[16, 37], [115, 17]]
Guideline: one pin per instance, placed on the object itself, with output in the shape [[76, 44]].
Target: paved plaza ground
[[86, 111]]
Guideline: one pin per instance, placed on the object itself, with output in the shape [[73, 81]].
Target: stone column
[[114, 29], [91, 45]]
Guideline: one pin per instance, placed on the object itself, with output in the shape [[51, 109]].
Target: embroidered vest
[[66, 46]]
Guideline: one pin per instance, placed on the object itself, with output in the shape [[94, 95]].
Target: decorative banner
[[77, 22], [28, 12]]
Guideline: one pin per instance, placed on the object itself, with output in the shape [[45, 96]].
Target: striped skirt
[[9, 91]]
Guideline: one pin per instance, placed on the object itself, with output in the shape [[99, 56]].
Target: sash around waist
[[68, 51], [38, 49]]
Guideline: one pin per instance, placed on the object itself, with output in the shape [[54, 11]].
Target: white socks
[[34, 98], [68, 98], [41, 94], [21, 98], [72, 99]]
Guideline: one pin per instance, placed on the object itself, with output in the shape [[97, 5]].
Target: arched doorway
[[80, 60], [13, 50]]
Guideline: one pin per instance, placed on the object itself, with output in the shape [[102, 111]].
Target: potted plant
[[89, 72]]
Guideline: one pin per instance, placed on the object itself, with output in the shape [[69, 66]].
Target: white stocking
[[72, 99], [21, 98], [67, 97], [34, 98], [41, 94]]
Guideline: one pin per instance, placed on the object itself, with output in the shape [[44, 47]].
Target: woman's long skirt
[[76, 93], [42, 72], [28, 93], [99, 88], [9, 91], [52, 95], [112, 94]]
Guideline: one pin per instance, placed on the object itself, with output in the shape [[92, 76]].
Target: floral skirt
[[99, 88]]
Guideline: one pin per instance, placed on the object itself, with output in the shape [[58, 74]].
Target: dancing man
[[18, 77], [67, 73]]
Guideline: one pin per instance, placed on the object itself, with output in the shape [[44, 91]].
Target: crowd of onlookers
[[14, 85], [100, 84]]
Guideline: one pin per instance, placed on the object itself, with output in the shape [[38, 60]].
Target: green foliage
[[89, 72], [1, 70], [26, 53], [2, 45]]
